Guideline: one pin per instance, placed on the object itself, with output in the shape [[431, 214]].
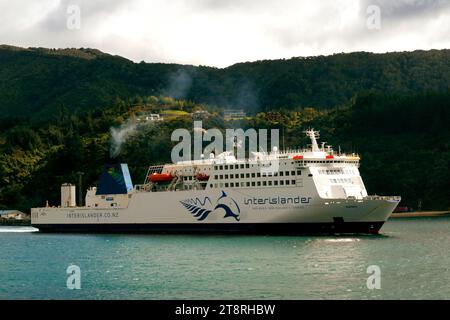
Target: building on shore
[[13, 215]]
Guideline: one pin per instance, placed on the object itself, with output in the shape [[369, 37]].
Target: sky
[[223, 32]]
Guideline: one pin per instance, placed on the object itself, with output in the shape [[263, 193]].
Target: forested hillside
[[36, 82], [57, 108]]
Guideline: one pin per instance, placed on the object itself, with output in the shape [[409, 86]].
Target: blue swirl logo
[[201, 209]]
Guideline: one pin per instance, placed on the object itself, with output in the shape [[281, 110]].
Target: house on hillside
[[149, 117], [200, 114], [233, 114]]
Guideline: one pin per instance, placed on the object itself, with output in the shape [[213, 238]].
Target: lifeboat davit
[[202, 177], [161, 177]]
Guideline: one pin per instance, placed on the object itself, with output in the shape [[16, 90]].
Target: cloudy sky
[[222, 32]]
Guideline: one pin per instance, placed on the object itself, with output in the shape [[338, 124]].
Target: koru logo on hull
[[201, 209]]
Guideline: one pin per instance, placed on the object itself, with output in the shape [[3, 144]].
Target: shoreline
[[420, 214], [13, 222]]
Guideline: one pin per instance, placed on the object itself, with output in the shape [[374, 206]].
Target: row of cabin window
[[256, 175], [254, 184], [328, 172], [341, 180], [329, 161], [235, 166]]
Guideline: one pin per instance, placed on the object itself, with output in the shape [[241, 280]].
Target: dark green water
[[413, 256]]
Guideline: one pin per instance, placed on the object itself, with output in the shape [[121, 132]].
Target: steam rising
[[180, 84], [120, 135]]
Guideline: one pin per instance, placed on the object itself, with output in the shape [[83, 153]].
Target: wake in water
[[343, 240], [18, 229]]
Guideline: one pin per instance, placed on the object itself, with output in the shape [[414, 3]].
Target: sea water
[[411, 254]]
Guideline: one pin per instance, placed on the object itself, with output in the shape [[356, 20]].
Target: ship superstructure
[[311, 190]]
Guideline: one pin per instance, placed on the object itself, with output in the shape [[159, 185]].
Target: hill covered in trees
[[57, 108], [36, 82]]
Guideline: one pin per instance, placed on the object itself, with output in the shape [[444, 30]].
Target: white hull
[[250, 206]]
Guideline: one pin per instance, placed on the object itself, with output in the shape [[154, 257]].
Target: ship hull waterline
[[308, 228]]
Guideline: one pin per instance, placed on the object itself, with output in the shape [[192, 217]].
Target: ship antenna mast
[[313, 135]]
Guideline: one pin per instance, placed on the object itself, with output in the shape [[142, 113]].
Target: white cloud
[[223, 32]]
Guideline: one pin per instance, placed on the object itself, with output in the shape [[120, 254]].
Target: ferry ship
[[314, 190]]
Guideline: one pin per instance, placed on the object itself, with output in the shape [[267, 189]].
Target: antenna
[[313, 135]]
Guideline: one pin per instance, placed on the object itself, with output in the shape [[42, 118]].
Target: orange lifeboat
[[202, 176], [297, 157], [161, 177]]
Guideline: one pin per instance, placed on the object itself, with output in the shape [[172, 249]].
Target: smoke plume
[[120, 135], [180, 83]]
